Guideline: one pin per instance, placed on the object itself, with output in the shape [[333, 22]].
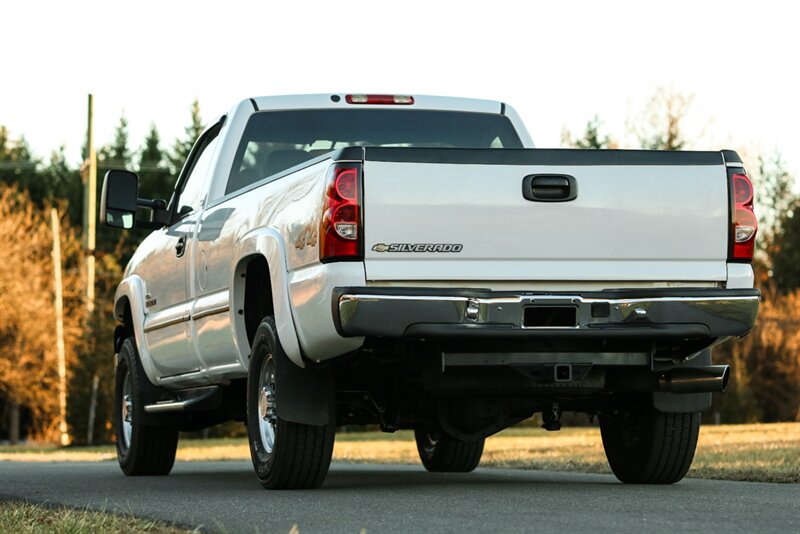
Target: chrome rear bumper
[[655, 313]]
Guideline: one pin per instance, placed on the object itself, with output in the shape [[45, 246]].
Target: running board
[[206, 398]]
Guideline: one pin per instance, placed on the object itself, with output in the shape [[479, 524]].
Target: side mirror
[[118, 200]]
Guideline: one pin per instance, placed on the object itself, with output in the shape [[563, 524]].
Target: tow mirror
[[118, 200]]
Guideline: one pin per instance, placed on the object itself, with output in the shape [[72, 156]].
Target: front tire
[[141, 449], [285, 455], [650, 447], [442, 453]]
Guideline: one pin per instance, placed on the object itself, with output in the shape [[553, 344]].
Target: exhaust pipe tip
[[726, 376], [713, 378]]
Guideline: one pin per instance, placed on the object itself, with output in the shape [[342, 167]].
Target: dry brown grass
[[26, 518], [768, 453], [758, 452]]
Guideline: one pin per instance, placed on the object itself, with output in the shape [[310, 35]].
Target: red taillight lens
[[340, 234], [745, 224], [401, 100], [346, 184], [742, 190]]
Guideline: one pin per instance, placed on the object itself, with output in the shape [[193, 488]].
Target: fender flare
[[267, 242], [132, 288]]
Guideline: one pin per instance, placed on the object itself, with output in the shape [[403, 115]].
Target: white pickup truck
[[414, 262]]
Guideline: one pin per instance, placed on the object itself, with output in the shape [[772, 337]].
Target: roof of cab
[[338, 100]]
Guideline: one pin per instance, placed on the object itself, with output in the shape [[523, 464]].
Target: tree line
[[765, 386], [29, 187]]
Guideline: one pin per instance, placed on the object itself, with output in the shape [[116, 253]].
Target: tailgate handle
[[549, 187]]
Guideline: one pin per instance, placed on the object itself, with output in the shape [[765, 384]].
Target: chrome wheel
[[127, 409], [431, 439], [267, 415]]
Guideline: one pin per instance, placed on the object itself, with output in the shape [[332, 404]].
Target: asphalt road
[[225, 496]]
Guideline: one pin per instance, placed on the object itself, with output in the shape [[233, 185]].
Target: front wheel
[[285, 455], [141, 449], [443, 453], [650, 447]]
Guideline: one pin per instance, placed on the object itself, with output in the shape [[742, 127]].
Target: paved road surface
[[226, 496]]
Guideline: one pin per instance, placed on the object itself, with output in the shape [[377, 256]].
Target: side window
[[194, 189]]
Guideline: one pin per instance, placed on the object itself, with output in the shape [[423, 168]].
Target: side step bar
[[206, 398]]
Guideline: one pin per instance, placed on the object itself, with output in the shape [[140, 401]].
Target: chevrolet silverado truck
[[413, 262]]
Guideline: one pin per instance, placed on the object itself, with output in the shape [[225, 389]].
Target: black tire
[[650, 447], [298, 456], [141, 449], [442, 453]]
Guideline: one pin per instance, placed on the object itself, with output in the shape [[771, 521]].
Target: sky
[[557, 63]]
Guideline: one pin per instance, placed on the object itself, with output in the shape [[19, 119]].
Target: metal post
[[90, 208], [59, 305], [92, 410], [13, 422]]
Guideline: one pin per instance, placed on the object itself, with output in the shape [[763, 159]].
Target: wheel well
[[257, 293], [125, 330]]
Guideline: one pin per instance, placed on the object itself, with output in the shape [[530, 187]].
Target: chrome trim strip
[[163, 324], [734, 164], [211, 311], [183, 318], [534, 298], [405, 297]]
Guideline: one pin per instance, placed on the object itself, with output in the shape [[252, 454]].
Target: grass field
[[765, 452], [26, 518]]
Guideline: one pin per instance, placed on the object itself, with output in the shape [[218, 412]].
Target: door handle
[[180, 246], [549, 187]]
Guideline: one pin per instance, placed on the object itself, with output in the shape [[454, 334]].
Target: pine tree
[[155, 180], [786, 252], [19, 166], [182, 147], [65, 183], [117, 155], [591, 139], [152, 157]]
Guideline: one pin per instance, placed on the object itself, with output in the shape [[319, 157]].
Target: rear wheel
[[285, 455], [650, 447], [141, 449], [443, 453]]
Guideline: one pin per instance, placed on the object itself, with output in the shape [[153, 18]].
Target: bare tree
[[660, 125], [28, 374]]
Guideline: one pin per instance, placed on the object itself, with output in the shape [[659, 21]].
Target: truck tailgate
[[637, 216]]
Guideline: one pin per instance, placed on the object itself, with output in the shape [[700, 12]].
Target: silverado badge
[[418, 247]]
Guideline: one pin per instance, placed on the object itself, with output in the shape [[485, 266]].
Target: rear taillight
[[744, 224], [340, 229], [402, 100]]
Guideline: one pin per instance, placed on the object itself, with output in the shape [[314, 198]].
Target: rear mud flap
[[304, 396], [685, 402]]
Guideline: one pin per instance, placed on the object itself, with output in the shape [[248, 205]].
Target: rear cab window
[[274, 141]]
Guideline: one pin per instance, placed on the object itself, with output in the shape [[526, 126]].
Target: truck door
[[168, 328]]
